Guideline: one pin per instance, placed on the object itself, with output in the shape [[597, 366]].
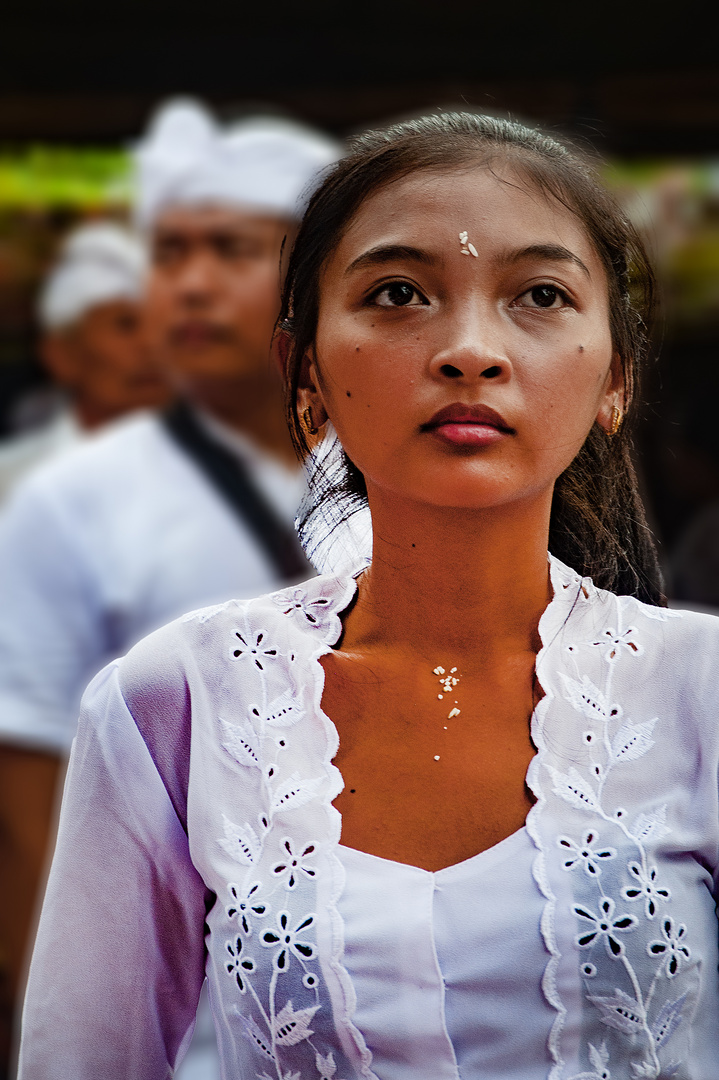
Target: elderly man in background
[[165, 513], [91, 343]]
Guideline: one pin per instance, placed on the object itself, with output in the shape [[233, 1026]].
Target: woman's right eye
[[397, 294]]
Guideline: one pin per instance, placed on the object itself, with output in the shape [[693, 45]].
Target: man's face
[[214, 294], [104, 361]]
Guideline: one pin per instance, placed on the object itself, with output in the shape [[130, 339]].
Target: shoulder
[[678, 645], [123, 447], [667, 629], [650, 670], [682, 646], [23, 454], [666, 625], [660, 654], [213, 658], [111, 443], [201, 647]]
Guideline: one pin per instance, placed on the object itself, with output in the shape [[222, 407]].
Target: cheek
[[357, 384], [127, 357], [256, 291], [354, 367], [564, 405], [159, 309], [576, 376]]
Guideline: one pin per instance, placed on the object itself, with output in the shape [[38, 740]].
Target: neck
[[445, 583], [253, 406], [90, 415]]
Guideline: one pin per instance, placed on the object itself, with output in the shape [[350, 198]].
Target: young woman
[[452, 813]]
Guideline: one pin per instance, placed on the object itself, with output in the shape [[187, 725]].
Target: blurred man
[[162, 514], [92, 343]]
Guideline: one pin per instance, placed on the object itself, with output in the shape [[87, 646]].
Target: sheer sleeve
[[119, 961]]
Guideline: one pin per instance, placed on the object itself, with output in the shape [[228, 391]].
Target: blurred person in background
[[166, 512], [92, 344]]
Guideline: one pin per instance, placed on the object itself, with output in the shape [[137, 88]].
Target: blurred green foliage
[[675, 206], [40, 177]]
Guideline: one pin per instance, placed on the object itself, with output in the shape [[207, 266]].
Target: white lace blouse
[[198, 834]]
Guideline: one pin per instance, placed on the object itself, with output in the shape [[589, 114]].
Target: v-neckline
[[481, 859], [559, 581]]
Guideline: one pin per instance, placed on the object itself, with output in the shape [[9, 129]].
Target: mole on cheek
[[581, 348], [348, 394]]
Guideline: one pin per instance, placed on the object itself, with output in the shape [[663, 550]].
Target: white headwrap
[[97, 263], [262, 164]]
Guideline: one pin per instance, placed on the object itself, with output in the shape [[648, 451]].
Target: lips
[[468, 426], [480, 415], [199, 333]]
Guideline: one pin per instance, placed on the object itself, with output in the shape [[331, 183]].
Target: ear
[[280, 350], [309, 390], [616, 395]]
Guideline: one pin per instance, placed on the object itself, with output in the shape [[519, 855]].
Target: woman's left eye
[[397, 294], [543, 296]]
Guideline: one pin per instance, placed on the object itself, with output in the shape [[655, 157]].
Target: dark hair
[[597, 525]]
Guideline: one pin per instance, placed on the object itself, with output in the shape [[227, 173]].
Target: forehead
[[499, 205], [196, 222]]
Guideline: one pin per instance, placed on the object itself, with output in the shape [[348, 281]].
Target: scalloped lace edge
[[551, 622], [357, 1047]]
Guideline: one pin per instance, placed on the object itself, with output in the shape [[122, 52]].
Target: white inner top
[[443, 938]]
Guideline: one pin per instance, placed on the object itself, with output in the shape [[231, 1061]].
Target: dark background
[[637, 78], [637, 82]]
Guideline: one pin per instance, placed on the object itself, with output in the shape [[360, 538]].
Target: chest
[[624, 828], [433, 761]]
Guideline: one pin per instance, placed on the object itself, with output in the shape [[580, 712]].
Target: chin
[[465, 489], [204, 366], [460, 496], [212, 377]]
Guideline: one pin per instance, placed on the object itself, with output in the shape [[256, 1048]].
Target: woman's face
[[463, 348]]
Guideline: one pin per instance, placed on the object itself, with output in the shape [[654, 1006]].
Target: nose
[[473, 346], [197, 280]]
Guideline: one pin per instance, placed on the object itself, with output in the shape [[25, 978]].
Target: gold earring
[[307, 421], [616, 421]]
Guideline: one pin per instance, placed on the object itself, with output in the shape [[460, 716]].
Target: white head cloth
[[97, 263], [262, 164]]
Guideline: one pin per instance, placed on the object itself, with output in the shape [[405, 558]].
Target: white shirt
[[21, 454], [103, 546], [198, 833]]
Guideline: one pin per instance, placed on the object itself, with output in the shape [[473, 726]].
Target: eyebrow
[[549, 252], [386, 253]]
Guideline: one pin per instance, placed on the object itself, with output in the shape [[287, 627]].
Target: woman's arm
[[119, 959], [28, 780]]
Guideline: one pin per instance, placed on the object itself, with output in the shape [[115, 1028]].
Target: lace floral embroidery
[[586, 853], [285, 1014], [317, 610], [630, 936], [646, 888], [636, 1002], [293, 864]]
